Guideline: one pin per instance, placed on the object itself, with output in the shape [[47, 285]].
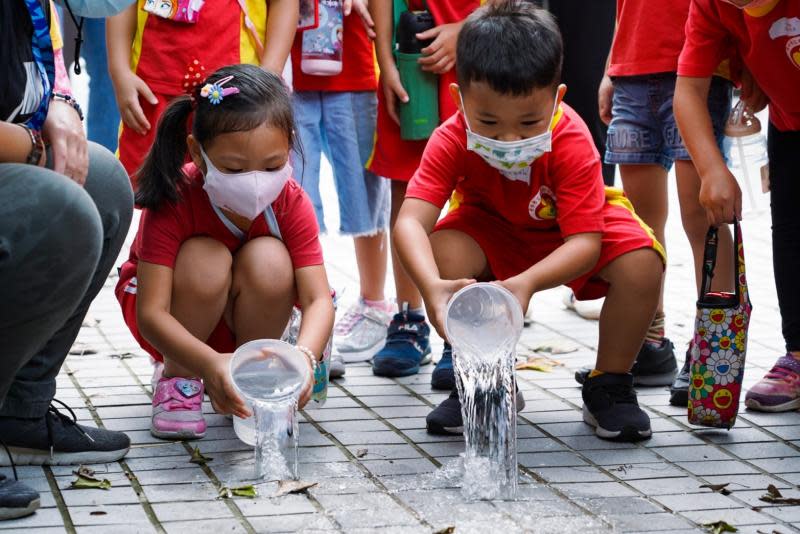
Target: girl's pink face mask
[[753, 4]]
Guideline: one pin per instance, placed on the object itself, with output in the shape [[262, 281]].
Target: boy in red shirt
[[407, 343], [766, 35], [636, 97], [545, 222]]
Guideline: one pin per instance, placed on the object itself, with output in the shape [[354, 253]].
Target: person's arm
[[120, 32], [605, 92], [573, 259], [382, 15], [282, 18], [314, 296], [168, 336], [15, 144], [719, 193], [415, 222]]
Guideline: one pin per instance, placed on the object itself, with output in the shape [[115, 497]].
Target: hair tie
[[216, 93]]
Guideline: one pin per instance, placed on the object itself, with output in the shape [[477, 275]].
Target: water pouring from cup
[[483, 323]]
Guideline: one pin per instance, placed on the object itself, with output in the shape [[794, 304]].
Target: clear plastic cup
[[275, 378], [481, 318]]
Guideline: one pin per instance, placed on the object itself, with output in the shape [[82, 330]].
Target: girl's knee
[[263, 265], [203, 268]]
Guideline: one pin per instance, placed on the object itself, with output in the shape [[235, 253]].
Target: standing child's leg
[[779, 390], [408, 340], [200, 289], [609, 398]]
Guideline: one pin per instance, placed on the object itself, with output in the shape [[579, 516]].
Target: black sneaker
[[654, 366], [609, 405], [445, 419], [679, 390], [444, 376], [55, 439], [16, 499]]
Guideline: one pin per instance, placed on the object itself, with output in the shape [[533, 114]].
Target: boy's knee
[[203, 268], [639, 271], [263, 265]]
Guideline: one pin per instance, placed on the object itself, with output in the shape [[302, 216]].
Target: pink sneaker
[[779, 390], [178, 409]]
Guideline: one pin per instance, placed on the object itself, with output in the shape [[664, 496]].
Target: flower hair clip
[[216, 93]]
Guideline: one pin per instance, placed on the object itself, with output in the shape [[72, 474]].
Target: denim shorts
[[643, 128], [342, 126]]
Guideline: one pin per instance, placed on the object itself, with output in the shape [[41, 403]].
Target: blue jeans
[[342, 126], [102, 119], [643, 128]]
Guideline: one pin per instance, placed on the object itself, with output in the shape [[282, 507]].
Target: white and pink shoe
[[178, 409]]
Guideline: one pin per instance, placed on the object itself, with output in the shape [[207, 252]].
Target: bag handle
[[710, 261]]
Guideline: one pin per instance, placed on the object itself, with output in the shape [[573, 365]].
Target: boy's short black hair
[[512, 45]]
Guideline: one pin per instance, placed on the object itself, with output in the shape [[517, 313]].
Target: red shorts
[[393, 157], [221, 339], [511, 251], [134, 147]]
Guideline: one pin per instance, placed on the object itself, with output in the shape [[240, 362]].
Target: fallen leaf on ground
[[89, 482], [557, 348], [445, 530], [286, 487], [248, 491], [718, 527], [84, 471], [539, 363], [774, 496], [360, 453], [719, 488], [198, 458], [98, 512]]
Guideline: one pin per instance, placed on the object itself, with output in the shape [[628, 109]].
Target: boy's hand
[[393, 91], [437, 295], [721, 196], [224, 397], [520, 289], [440, 55], [361, 8], [128, 86], [605, 96]]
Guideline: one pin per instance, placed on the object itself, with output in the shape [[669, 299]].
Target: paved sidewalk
[[408, 481]]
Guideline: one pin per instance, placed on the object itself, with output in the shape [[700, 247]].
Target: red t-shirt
[[767, 40], [649, 37], [172, 56], [565, 194], [358, 62], [162, 232]]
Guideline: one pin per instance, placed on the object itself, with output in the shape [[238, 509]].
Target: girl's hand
[[128, 86], [308, 387], [361, 8], [440, 55], [224, 397], [393, 91], [436, 298], [721, 196], [64, 132], [605, 95], [520, 289]]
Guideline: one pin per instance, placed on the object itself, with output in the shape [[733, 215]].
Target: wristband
[[37, 146], [68, 99], [310, 355]]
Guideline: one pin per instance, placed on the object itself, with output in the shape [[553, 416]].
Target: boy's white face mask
[[512, 158], [245, 193]]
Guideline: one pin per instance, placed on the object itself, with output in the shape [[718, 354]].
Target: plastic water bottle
[[323, 46], [748, 161]]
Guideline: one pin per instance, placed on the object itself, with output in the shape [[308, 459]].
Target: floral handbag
[[720, 342]]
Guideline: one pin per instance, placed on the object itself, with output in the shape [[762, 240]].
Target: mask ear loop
[[464, 110]]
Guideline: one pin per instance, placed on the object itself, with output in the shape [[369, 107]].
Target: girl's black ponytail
[[161, 173]]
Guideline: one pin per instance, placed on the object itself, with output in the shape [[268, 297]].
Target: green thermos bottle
[[420, 115]]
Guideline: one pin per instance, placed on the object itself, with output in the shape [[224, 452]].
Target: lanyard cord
[[78, 21]]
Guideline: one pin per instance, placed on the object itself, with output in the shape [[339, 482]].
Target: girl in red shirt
[[226, 245]]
